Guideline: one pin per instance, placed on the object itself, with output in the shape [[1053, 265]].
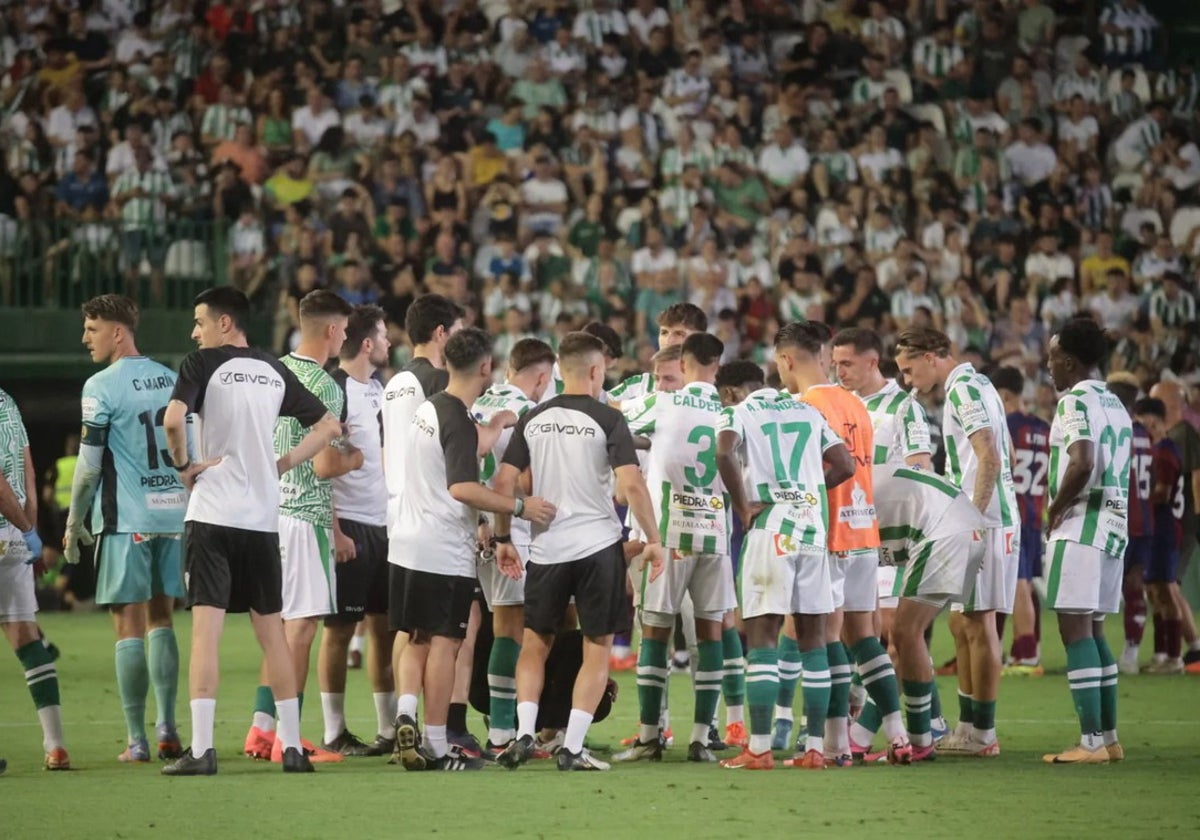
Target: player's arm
[[489, 432], [320, 436], [914, 434], [1081, 459], [983, 442], [730, 469], [11, 508], [83, 489], [632, 486], [838, 464], [31, 499], [338, 458]]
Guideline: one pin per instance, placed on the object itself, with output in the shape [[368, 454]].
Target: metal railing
[[60, 263]]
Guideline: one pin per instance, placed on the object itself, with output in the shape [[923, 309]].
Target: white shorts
[[855, 578], [1083, 579], [18, 600], [306, 554], [708, 578], [889, 597], [781, 576], [499, 590], [995, 586], [943, 570]]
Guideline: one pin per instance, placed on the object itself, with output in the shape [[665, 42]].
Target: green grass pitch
[[1151, 795]]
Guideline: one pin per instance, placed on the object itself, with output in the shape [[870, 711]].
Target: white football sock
[[289, 723], [333, 710], [527, 719], [52, 731], [204, 711], [264, 721], [385, 712], [406, 706], [435, 737], [577, 727]]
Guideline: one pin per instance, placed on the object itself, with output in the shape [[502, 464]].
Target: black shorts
[[429, 604], [597, 583], [362, 583], [233, 569]]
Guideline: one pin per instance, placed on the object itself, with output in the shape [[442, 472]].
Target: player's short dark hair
[[426, 314], [578, 344], [1126, 392], [861, 339], [687, 314], [917, 340], [1152, 406], [1008, 378], [529, 352], [804, 335], [739, 374], [226, 300], [704, 347], [467, 348], [361, 326], [1083, 339], [322, 303], [607, 335], [118, 309]]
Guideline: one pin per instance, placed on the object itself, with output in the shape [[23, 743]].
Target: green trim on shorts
[[324, 540], [912, 583], [1056, 561]]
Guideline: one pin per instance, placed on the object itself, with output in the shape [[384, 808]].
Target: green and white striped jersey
[[783, 443], [973, 405], [1100, 516], [635, 387], [901, 427], [681, 469], [916, 508], [221, 121], [302, 495], [149, 210], [498, 398]]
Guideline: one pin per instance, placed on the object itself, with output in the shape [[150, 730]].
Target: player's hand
[[748, 513], [539, 510], [508, 561], [503, 419], [654, 555], [1054, 518], [34, 543], [483, 536], [344, 548], [188, 476], [75, 536], [632, 549]]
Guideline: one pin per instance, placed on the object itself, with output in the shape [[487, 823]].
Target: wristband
[[518, 507], [184, 467], [502, 539]]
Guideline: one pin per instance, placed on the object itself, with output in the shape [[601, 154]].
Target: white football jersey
[[901, 427], [783, 443], [916, 508], [972, 405], [1100, 516], [497, 399], [681, 469]]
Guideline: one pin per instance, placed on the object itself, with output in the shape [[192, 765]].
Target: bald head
[[1174, 397]]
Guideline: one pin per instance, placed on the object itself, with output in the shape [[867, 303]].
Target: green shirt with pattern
[[13, 440], [302, 495]]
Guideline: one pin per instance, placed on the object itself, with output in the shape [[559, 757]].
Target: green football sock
[[839, 680], [1083, 675], [133, 682], [1108, 686], [878, 675], [869, 718], [918, 705], [733, 683], [936, 707], [762, 687], [264, 701], [164, 672], [966, 708], [984, 715], [708, 680], [789, 676], [502, 683], [651, 680], [815, 690], [40, 674]]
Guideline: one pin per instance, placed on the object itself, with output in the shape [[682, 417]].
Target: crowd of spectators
[[989, 167]]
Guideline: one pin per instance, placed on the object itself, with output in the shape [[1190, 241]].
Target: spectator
[[82, 188]]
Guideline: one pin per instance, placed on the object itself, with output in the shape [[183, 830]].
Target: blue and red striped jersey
[[1031, 459], [1168, 509], [1141, 516]]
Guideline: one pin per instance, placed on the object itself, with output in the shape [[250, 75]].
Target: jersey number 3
[[150, 424]]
